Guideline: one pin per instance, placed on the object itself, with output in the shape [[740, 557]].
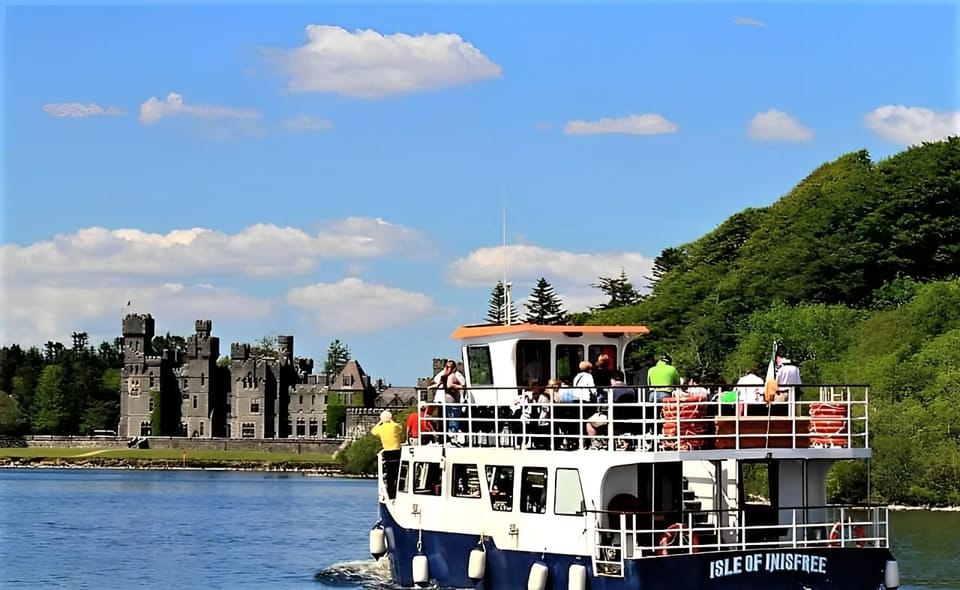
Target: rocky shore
[[320, 469]]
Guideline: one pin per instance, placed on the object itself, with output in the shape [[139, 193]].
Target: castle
[[259, 394]]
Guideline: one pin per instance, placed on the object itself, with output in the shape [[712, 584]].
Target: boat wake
[[368, 575]]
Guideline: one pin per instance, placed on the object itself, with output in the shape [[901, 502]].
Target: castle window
[[255, 405], [301, 400], [183, 429], [313, 427], [186, 384], [248, 430], [203, 378], [201, 428], [145, 428], [347, 380], [150, 404], [301, 427], [151, 381], [313, 400], [194, 402]]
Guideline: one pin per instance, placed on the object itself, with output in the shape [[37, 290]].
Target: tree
[[497, 312], [168, 342], [50, 400], [620, 291], [337, 356], [544, 306], [669, 259]]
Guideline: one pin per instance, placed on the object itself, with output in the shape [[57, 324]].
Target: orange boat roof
[[481, 331]]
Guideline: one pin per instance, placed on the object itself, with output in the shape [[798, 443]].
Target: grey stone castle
[[259, 394]]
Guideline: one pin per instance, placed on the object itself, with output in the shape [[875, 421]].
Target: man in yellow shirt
[[391, 437]]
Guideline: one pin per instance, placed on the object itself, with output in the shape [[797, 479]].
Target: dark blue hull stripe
[[776, 569]]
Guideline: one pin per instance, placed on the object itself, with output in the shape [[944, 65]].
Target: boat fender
[[537, 580], [857, 534], [891, 575], [477, 564], [577, 577], [378, 542], [421, 569]]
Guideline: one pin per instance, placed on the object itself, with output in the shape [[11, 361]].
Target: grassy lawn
[[193, 457]]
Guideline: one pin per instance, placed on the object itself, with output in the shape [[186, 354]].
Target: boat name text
[[768, 562]]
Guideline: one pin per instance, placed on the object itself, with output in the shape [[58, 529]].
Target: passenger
[[602, 373], [788, 377], [391, 438], [448, 383], [520, 412], [662, 378], [418, 425], [750, 394]]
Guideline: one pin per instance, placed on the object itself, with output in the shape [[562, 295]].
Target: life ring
[[858, 534], [673, 533]]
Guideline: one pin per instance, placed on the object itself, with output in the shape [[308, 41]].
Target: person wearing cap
[[662, 378], [788, 377], [391, 437]]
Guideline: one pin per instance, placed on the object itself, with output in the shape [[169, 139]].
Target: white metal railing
[[837, 417], [826, 526]]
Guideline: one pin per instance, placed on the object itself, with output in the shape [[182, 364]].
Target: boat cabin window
[[426, 478], [660, 490], [568, 361], [500, 487], [479, 365], [533, 490], [402, 477], [466, 481], [569, 496], [533, 362], [608, 349]]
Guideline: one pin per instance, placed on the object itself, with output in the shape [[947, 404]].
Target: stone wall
[[298, 446]]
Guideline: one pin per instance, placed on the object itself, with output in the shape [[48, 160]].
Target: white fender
[[537, 580], [577, 577], [421, 570], [891, 575], [378, 542], [477, 564]]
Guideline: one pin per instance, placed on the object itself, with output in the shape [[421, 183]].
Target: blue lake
[[83, 528]]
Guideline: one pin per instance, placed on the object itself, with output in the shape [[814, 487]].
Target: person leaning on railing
[[391, 438]]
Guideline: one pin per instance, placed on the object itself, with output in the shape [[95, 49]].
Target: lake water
[[84, 528]]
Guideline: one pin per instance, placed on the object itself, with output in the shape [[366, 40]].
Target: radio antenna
[[506, 286]]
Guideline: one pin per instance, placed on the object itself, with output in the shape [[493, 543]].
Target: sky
[[353, 171]]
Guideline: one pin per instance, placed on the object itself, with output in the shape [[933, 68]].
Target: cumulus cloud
[[912, 125], [154, 109], [353, 305], [51, 308], [647, 124], [526, 263], [775, 125], [76, 109], [749, 22], [306, 123], [368, 64]]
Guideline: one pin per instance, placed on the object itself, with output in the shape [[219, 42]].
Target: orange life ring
[[671, 534], [858, 534]]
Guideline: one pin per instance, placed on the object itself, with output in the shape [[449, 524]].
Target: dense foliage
[[855, 270]]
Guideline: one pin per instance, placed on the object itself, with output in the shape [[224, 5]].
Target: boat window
[[533, 362], [466, 481], [569, 498], [500, 486], [402, 477], [426, 478], [568, 361], [597, 349], [533, 490], [478, 362]]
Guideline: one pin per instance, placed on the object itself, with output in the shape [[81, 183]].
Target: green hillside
[[855, 269]]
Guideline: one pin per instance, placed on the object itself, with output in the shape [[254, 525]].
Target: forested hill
[[855, 269]]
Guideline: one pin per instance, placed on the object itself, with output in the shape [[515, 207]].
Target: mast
[[506, 285]]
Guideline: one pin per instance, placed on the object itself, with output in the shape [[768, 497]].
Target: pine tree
[[337, 356], [620, 291], [497, 311], [669, 259], [544, 306]]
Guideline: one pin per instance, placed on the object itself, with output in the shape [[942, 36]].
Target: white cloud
[[51, 309], [353, 305], [76, 109], [367, 64], [258, 250], [775, 125], [912, 125], [647, 124], [306, 123], [750, 22], [526, 264], [154, 109]]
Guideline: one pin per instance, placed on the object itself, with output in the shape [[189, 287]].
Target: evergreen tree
[[337, 356], [544, 306], [497, 311], [669, 259], [620, 291], [51, 401]]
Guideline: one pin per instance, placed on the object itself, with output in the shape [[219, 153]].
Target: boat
[[619, 492]]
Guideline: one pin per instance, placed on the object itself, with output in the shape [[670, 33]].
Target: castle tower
[[140, 375]]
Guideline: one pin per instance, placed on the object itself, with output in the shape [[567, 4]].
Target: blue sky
[[338, 171]]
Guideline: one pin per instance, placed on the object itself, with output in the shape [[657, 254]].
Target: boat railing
[[619, 535], [645, 420]]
